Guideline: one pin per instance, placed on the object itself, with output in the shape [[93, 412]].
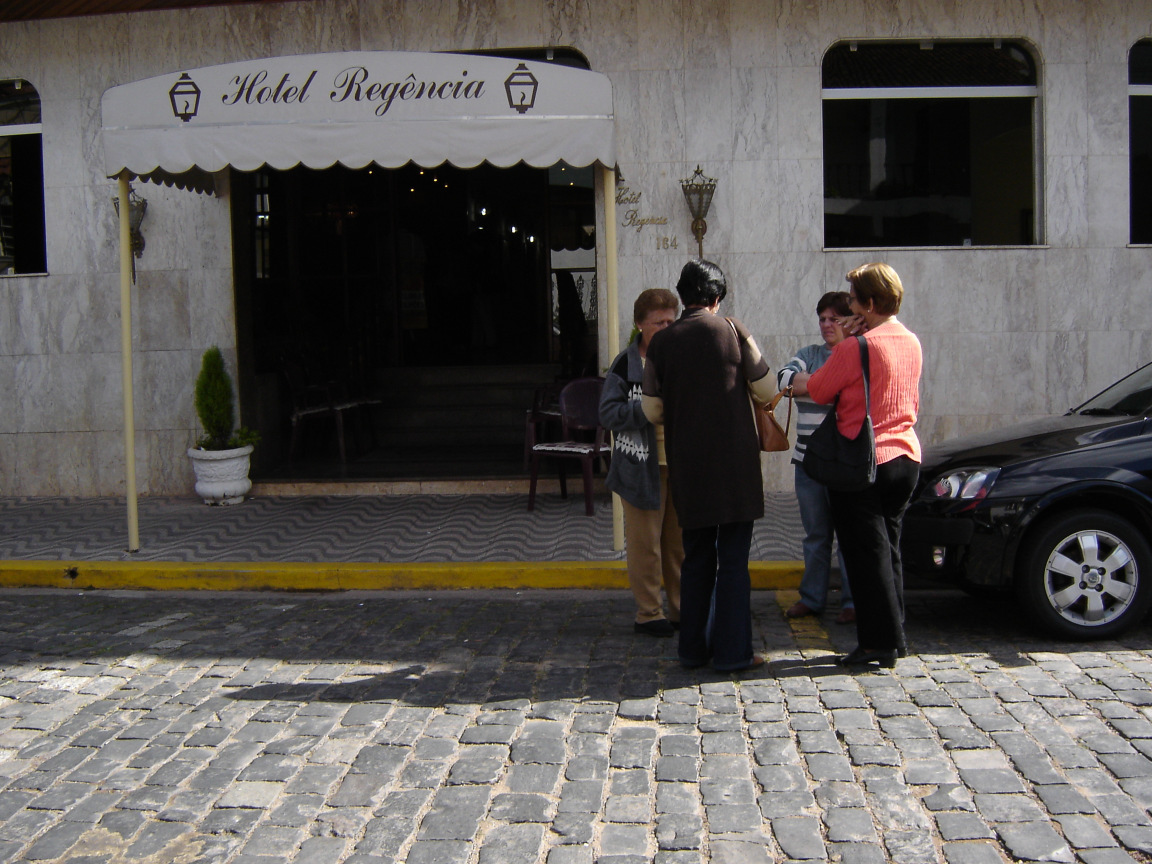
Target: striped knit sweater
[[808, 414]]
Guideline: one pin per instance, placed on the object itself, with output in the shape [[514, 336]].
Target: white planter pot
[[221, 475]]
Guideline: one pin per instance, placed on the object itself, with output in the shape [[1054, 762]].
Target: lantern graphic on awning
[[521, 87], [185, 96]]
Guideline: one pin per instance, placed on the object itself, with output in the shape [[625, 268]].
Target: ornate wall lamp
[[137, 207], [698, 191]]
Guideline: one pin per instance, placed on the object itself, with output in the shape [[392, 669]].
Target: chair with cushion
[[582, 437], [542, 419]]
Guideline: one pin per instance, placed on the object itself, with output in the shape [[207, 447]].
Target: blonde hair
[[878, 284]]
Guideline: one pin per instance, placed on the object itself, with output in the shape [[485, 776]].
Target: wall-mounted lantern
[[698, 191], [137, 207]]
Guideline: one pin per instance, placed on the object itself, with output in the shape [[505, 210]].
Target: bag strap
[[772, 405], [739, 344], [864, 368], [780, 394]]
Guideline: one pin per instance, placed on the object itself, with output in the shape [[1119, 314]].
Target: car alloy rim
[[1090, 578]]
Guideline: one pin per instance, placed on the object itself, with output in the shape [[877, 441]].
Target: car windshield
[[1130, 396]]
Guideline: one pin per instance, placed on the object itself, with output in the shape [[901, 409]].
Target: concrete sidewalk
[[342, 543]]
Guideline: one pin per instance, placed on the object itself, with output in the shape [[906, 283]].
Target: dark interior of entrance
[[397, 323]]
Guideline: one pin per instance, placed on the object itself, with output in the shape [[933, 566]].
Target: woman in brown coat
[[696, 382]]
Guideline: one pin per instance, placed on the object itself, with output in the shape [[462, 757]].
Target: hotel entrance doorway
[[428, 295]]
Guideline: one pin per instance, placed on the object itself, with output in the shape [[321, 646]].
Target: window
[[1140, 140], [262, 247], [21, 180], [929, 144]]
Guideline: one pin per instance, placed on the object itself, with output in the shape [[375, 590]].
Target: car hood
[[1025, 442]]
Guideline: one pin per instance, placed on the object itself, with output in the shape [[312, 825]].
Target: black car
[[1058, 511]]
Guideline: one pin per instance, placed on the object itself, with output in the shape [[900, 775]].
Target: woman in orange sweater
[[868, 523]]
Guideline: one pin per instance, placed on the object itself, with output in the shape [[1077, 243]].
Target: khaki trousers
[[655, 549]]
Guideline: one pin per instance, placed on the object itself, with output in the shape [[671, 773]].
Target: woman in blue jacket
[[638, 473]]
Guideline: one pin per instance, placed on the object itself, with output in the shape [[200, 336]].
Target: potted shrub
[[221, 455]]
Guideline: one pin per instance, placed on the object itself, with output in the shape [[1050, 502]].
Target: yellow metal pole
[[611, 294], [126, 366]]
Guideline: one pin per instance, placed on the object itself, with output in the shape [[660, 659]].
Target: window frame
[[1031, 92]]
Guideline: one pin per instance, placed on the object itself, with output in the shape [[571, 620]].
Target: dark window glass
[[262, 225], [21, 182], [934, 171], [559, 56], [1140, 144], [1140, 63], [1140, 120], [936, 64]]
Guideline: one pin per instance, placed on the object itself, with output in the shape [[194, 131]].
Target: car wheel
[[1086, 575]]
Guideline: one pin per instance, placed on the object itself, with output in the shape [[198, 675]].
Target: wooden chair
[[319, 401], [583, 438]]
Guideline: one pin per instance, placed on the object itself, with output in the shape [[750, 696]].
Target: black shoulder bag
[[844, 464]]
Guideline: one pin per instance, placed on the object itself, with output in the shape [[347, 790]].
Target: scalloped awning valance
[[357, 108]]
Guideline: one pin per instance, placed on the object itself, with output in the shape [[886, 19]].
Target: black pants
[[868, 528], [714, 576]]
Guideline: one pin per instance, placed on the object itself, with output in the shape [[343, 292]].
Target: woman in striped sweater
[[811, 496], [868, 523]]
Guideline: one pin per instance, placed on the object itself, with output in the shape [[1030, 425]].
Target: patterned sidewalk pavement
[[396, 529], [501, 727]]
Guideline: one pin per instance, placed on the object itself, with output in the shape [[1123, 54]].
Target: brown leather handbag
[[773, 436]]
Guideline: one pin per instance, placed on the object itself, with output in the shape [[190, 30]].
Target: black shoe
[[885, 657], [659, 627]]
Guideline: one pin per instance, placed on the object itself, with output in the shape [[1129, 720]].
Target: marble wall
[[731, 85]]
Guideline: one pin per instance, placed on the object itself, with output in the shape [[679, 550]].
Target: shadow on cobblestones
[[506, 727], [941, 621], [430, 649]]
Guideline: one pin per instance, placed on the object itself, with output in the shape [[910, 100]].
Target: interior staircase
[[458, 422]]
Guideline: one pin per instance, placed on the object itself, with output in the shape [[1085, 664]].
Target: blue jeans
[[816, 517], [716, 562]]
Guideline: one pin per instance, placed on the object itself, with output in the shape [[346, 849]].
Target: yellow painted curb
[[300, 576], [809, 631]]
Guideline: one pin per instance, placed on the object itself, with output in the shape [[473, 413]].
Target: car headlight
[[964, 484]]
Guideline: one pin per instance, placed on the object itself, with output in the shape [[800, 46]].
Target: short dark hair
[[837, 301], [650, 300], [701, 283]]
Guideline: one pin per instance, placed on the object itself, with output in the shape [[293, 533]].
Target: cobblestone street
[[504, 727]]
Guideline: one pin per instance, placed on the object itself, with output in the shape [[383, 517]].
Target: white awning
[[356, 109]]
